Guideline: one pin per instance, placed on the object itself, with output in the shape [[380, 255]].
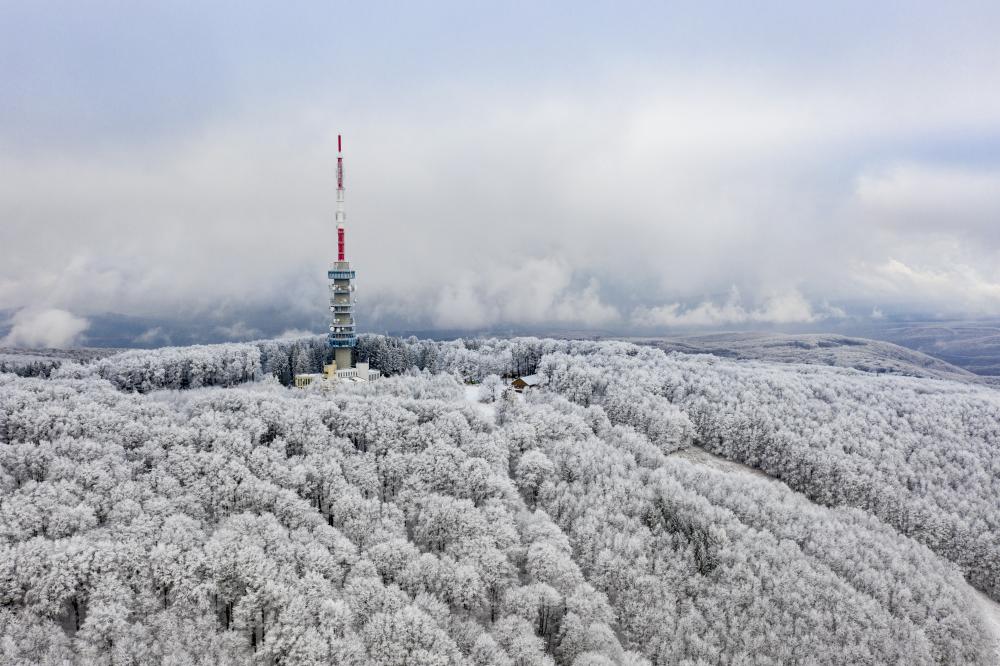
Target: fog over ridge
[[639, 188]]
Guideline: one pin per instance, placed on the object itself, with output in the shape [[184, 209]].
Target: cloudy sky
[[630, 167]]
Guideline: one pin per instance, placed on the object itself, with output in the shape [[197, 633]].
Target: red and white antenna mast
[[340, 201], [342, 337]]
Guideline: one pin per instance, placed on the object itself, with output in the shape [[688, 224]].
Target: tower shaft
[[342, 335]]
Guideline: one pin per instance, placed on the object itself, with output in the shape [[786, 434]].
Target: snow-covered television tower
[[342, 336]]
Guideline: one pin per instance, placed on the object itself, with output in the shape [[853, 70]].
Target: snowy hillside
[[640, 507], [40, 362], [818, 349], [972, 345]]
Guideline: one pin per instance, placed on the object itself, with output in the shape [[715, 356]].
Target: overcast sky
[[609, 166]]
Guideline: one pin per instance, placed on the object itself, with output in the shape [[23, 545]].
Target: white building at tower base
[[359, 373]]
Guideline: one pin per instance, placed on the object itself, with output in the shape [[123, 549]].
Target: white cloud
[[152, 337], [238, 331], [532, 291], [584, 307], [942, 199], [294, 333], [44, 328], [784, 307], [954, 288], [548, 204], [459, 305]]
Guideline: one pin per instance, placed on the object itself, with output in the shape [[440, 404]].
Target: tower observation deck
[[342, 336]]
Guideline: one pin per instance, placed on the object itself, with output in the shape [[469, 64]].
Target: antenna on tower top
[[340, 166], [341, 218]]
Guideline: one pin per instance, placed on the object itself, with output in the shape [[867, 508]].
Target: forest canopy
[[183, 505]]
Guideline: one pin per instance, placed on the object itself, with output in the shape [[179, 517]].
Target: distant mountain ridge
[[874, 356], [973, 345]]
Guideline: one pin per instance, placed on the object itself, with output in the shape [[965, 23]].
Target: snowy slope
[[988, 609], [818, 349], [973, 345], [404, 521]]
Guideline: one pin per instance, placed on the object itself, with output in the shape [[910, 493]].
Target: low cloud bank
[[787, 307], [45, 328]]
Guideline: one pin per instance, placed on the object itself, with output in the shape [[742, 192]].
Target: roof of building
[[531, 380]]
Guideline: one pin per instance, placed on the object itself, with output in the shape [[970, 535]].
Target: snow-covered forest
[[184, 505]]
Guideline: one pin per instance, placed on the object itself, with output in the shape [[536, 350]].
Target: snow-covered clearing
[[989, 610], [472, 397], [700, 456]]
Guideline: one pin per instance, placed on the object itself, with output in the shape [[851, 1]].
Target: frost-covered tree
[[164, 505]]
